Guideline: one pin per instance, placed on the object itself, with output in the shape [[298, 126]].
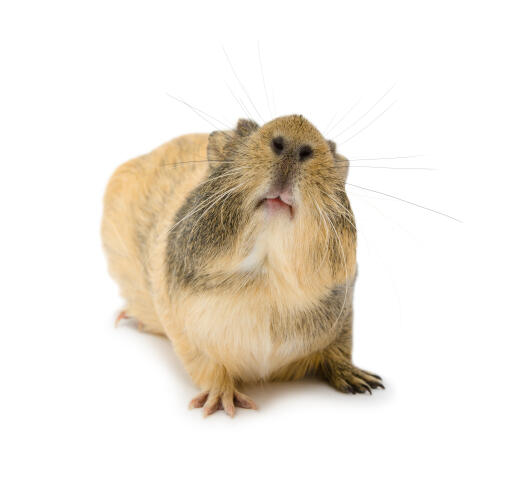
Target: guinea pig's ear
[[222, 143], [217, 142], [341, 162], [343, 165], [332, 146], [246, 127]]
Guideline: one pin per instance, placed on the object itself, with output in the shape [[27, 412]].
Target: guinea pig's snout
[[289, 154]]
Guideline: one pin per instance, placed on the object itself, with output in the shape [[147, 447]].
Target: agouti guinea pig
[[240, 247]]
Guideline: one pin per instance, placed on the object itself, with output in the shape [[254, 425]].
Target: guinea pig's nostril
[[305, 152], [277, 144]]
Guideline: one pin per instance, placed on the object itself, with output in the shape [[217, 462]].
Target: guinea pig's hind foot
[[226, 399], [350, 379]]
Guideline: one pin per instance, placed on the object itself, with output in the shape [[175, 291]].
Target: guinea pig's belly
[[238, 335]]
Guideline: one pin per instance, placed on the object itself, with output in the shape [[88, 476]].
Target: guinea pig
[[240, 247]]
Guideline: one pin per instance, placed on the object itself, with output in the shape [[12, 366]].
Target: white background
[[84, 87]]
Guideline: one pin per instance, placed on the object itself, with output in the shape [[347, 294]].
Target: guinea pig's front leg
[[218, 388]]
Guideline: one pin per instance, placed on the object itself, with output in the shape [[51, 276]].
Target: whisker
[[231, 172], [368, 111], [204, 158], [345, 270], [264, 81], [239, 101], [273, 101], [191, 162], [327, 232], [327, 127], [394, 168], [196, 209], [391, 158], [348, 215], [200, 206], [369, 124], [200, 113], [222, 195], [241, 84], [405, 201], [342, 118]]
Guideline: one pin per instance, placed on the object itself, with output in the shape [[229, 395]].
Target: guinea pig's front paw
[[350, 379], [227, 399]]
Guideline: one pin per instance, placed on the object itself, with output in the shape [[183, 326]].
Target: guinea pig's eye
[[305, 152], [277, 144]]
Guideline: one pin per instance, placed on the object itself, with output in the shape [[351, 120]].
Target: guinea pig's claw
[[349, 379]]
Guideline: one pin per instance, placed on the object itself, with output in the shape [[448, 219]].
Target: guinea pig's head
[[283, 170], [275, 191]]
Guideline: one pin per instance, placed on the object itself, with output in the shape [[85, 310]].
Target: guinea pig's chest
[[240, 334]]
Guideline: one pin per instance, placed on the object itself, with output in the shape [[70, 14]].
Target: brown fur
[[244, 296]]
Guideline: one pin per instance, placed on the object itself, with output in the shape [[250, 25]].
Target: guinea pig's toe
[[121, 316], [227, 399], [199, 400], [242, 400], [213, 404], [228, 405]]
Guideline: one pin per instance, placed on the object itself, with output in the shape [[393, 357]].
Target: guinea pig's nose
[[301, 152], [304, 152], [277, 144]]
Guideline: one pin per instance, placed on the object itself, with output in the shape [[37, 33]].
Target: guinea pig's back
[[142, 196]]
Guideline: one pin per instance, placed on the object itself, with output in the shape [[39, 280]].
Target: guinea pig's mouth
[[275, 204]]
